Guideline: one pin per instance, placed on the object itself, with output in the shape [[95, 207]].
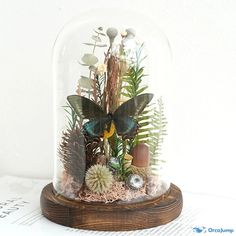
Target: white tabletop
[[20, 214]]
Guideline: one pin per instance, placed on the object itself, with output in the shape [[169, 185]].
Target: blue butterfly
[[100, 123]]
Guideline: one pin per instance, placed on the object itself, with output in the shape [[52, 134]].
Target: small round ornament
[[135, 181], [114, 163]]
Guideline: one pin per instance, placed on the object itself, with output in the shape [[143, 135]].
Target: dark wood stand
[[111, 216]]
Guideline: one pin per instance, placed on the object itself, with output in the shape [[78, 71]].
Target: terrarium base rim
[[112, 216]]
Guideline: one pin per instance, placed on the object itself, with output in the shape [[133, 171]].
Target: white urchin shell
[[135, 181]]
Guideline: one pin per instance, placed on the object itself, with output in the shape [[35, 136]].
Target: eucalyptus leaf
[[82, 64], [101, 45], [97, 45], [89, 59], [93, 68], [90, 44], [96, 38], [99, 32], [86, 82]]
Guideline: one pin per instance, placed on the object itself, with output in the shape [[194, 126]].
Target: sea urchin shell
[[135, 181], [98, 178]]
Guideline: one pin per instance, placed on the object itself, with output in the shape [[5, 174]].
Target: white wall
[[202, 126]]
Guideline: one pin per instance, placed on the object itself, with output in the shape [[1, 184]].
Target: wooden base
[[111, 216]]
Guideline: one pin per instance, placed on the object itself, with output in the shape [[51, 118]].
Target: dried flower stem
[[95, 97], [111, 87]]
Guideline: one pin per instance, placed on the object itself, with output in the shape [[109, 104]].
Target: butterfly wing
[[134, 106], [126, 126], [95, 127], [85, 108]]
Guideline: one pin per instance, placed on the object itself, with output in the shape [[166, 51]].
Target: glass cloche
[[110, 121]]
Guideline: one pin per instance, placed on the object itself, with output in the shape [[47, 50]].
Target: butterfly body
[[97, 126], [101, 124]]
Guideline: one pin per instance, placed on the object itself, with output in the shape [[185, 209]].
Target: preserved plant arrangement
[[110, 149], [110, 125]]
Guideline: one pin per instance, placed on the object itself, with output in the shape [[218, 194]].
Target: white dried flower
[[130, 33], [123, 34], [101, 69]]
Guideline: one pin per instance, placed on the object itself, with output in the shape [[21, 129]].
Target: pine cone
[[93, 150]]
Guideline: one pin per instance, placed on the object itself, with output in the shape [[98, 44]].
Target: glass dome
[[109, 113]]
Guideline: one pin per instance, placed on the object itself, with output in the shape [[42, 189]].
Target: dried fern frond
[[152, 121], [71, 116], [72, 153], [152, 131], [159, 122], [99, 80]]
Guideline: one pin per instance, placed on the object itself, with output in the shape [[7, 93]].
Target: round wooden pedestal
[[111, 216]]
